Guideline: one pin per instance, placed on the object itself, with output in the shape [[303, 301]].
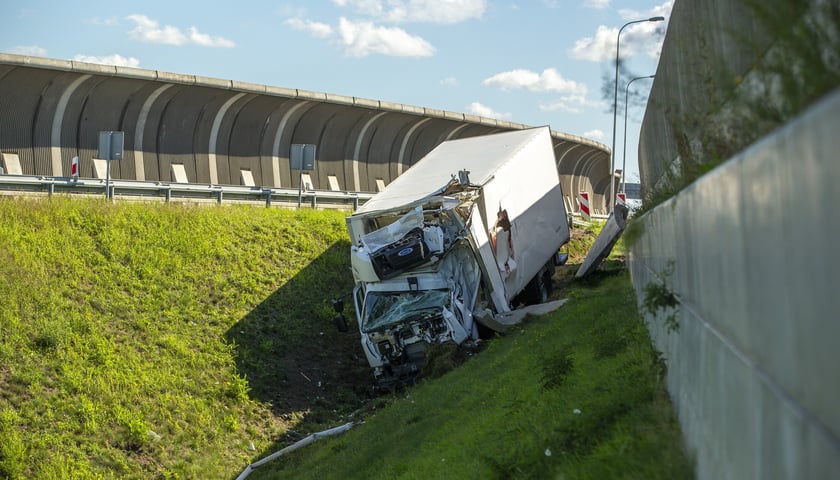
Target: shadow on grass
[[291, 352]]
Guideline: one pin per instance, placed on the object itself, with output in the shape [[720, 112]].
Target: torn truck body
[[468, 232], [605, 242]]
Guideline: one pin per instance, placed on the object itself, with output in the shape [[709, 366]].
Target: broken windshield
[[386, 308]]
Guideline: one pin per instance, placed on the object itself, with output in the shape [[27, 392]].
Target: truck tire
[[537, 290]]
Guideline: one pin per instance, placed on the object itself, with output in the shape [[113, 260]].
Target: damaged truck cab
[[429, 264]]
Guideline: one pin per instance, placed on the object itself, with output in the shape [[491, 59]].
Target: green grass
[[510, 411], [142, 340], [162, 341]]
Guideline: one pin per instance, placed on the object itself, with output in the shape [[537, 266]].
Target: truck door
[[487, 261]]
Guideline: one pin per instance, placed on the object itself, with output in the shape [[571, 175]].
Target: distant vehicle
[[469, 232]]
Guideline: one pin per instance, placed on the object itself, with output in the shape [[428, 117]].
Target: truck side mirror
[[340, 322]]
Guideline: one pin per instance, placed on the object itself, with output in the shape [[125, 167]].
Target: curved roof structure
[[52, 110]]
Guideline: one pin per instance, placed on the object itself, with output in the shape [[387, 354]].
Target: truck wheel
[[536, 291]]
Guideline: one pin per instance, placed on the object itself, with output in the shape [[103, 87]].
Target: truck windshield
[[386, 308]]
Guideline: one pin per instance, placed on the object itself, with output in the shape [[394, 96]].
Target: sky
[[536, 62]]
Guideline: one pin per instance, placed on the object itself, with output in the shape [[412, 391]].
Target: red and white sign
[[74, 168], [622, 198], [583, 201]]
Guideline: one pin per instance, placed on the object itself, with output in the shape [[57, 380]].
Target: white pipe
[[300, 443]]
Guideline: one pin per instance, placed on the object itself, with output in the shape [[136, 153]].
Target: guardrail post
[[314, 201], [267, 197], [219, 196], [51, 189], [168, 194], [355, 203]]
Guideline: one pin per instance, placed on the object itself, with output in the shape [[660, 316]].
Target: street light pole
[[624, 154], [615, 106]]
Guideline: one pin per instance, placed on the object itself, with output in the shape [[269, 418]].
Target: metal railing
[[168, 191]]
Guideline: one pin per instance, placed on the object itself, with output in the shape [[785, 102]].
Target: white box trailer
[[467, 233]]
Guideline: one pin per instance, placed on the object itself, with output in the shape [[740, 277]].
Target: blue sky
[[537, 62]]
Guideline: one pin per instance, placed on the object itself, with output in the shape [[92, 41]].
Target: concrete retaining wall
[[753, 368]]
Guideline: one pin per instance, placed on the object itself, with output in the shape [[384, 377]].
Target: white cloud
[[30, 50], [147, 30], [107, 22], [595, 134], [597, 4], [114, 59], [205, 40], [574, 103], [428, 11], [640, 37], [599, 48], [550, 80], [449, 82], [316, 29], [663, 10], [563, 105], [362, 38], [479, 109]]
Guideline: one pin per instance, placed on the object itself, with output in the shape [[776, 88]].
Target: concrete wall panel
[[19, 114], [752, 244], [249, 140], [336, 147], [225, 163], [184, 132], [104, 108], [710, 43], [284, 137], [156, 164]]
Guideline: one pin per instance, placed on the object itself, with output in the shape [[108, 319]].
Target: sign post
[[302, 157], [110, 148]]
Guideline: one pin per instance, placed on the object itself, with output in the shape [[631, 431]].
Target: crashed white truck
[[466, 234]]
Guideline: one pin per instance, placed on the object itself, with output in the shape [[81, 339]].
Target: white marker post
[[74, 168]]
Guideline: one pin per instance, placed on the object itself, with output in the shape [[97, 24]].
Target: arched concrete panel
[[248, 141], [101, 105], [337, 146], [310, 129], [171, 118], [142, 115], [156, 164], [283, 140], [19, 114], [431, 134], [185, 128], [220, 142], [363, 140], [278, 109], [404, 162], [58, 125], [383, 150]]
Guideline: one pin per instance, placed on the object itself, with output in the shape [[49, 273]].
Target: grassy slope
[[143, 341], [510, 412], [127, 332]]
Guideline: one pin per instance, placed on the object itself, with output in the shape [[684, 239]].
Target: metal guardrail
[[167, 191]]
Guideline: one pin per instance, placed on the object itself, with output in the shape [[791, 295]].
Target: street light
[[615, 105], [624, 154]]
